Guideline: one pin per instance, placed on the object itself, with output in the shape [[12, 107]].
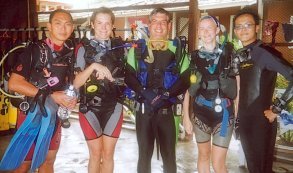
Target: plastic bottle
[[63, 113]]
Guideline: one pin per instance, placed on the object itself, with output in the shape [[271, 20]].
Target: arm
[[130, 73], [280, 103], [82, 77], [131, 79], [278, 65], [186, 118], [18, 83], [236, 100], [102, 73], [236, 107]]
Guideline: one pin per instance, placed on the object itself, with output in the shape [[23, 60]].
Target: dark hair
[[162, 11], [52, 14], [211, 17], [103, 10], [248, 12]]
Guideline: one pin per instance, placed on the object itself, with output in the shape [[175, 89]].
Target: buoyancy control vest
[[49, 69], [164, 71], [111, 55], [53, 64], [213, 81]]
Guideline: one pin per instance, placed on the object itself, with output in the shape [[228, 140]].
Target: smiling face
[[159, 26], [60, 28], [208, 31], [245, 29], [102, 26]]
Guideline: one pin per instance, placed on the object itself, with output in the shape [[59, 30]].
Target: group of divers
[[226, 90]]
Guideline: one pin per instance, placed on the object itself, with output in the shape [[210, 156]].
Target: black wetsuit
[[257, 83], [156, 125]]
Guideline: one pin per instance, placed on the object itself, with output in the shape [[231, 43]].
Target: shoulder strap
[[43, 60], [193, 57], [180, 51], [138, 52], [227, 52]]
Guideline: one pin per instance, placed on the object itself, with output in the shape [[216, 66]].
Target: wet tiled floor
[[73, 154]]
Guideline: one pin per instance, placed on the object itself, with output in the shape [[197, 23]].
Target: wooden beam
[[136, 7], [194, 13]]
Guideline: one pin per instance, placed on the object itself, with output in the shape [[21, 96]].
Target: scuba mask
[[153, 45], [215, 55], [202, 53]]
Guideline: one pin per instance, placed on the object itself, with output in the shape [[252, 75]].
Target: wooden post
[[194, 13]]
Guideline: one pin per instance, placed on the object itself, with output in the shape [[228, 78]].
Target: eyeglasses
[[245, 26]]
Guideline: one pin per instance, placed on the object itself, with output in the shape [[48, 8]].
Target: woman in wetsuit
[[213, 104], [100, 113]]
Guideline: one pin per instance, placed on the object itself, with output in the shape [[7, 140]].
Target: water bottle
[[63, 113]]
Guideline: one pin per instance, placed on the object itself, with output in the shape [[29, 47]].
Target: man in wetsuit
[[32, 68], [152, 72], [258, 65]]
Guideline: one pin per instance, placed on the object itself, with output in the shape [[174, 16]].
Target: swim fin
[[22, 141], [46, 132]]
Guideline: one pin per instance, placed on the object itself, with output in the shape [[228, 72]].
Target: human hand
[[154, 100], [64, 100], [187, 125], [40, 99], [236, 128], [102, 72], [270, 115]]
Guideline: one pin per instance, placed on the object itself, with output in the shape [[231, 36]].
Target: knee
[[24, 168], [204, 156], [219, 166], [108, 155], [50, 159], [95, 153], [96, 156]]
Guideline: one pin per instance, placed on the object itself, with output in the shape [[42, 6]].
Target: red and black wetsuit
[[100, 111]]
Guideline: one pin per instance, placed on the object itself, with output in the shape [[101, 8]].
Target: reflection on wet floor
[[73, 154]]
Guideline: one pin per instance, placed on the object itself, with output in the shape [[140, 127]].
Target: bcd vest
[[164, 77], [222, 80], [48, 69], [110, 56]]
